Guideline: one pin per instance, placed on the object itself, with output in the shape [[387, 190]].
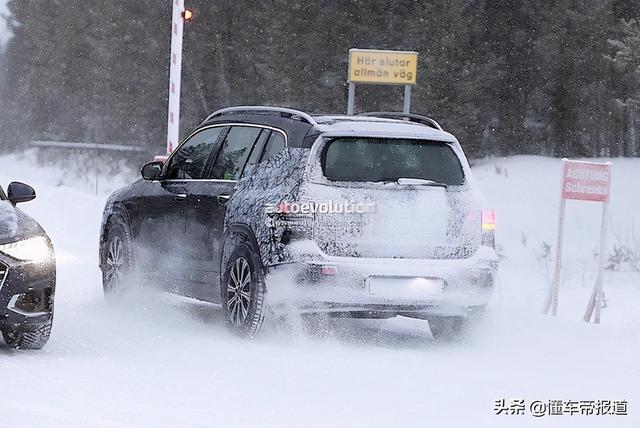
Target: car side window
[[258, 147], [274, 146], [190, 160], [234, 153]]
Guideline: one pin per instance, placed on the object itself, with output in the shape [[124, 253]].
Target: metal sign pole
[[551, 303], [175, 76], [595, 302], [554, 291], [603, 248], [406, 108], [351, 103], [95, 166]]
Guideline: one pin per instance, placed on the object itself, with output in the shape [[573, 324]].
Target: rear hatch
[[392, 198]]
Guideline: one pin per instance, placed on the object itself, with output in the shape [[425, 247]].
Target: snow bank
[[160, 361]]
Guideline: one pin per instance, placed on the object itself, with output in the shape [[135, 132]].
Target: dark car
[[266, 209], [27, 273]]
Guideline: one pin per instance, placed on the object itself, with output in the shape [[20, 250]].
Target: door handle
[[180, 196], [223, 199]]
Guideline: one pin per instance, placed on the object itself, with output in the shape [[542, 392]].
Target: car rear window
[[387, 160]]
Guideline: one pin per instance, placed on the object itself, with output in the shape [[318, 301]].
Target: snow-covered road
[[162, 361]]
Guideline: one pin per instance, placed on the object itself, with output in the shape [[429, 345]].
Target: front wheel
[[118, 265], [28, 339], [243, 292]]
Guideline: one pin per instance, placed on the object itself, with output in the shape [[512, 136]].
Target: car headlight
[[33, 250]]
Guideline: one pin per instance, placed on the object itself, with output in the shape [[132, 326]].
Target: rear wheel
[[119, 262], [29, 339], [243, 292]]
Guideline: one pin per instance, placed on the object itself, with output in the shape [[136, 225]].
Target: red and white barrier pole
[[175, 75]]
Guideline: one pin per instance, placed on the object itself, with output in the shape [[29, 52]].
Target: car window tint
[[274, 146], [387, 160], [234, 152], [190, 159], [258, 147]]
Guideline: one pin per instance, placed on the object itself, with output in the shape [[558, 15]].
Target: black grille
[[4, 269]]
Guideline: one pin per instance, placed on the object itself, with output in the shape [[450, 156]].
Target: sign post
[[597, 297], [552, 297], [175, 75], [585, 181], [351, 102], [406, 105], [380, 67]]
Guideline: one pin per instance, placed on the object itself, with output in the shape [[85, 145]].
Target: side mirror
[[20, 192], [152, 170]]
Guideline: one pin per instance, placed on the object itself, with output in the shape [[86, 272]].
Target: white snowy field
[[162, 361]]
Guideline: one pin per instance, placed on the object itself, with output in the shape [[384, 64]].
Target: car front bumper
[[27, 292], [342, 285]]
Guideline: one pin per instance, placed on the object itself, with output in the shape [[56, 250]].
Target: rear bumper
[[26, 294], [302, 286]]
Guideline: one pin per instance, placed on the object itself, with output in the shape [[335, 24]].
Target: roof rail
[[411, 117], [284, 112]]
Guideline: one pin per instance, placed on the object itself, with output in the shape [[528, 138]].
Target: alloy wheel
[[239, 291], [115, 264]]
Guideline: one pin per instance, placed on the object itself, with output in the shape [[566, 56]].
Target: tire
[[30, 339], [448, 329], [243, 292], [119, 263]]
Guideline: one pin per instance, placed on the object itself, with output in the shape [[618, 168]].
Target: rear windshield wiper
[[420, 182]]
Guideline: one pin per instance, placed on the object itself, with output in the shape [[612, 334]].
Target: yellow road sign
[[383, 67]]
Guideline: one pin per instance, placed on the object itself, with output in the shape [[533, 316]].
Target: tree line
[[555, 77]]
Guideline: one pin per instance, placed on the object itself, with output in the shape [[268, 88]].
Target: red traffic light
[[187, 15]]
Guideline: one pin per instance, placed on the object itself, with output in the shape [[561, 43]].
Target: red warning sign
[[586, 181]]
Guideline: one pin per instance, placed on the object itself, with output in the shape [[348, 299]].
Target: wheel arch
[[233, 235], [118, 214]]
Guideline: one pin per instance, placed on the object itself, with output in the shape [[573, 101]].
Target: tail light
[[293, 214], [328, 270], [295, 222], [319, 274], [489, 228]]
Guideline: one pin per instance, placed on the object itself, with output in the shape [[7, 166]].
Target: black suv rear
[[259, 207]]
